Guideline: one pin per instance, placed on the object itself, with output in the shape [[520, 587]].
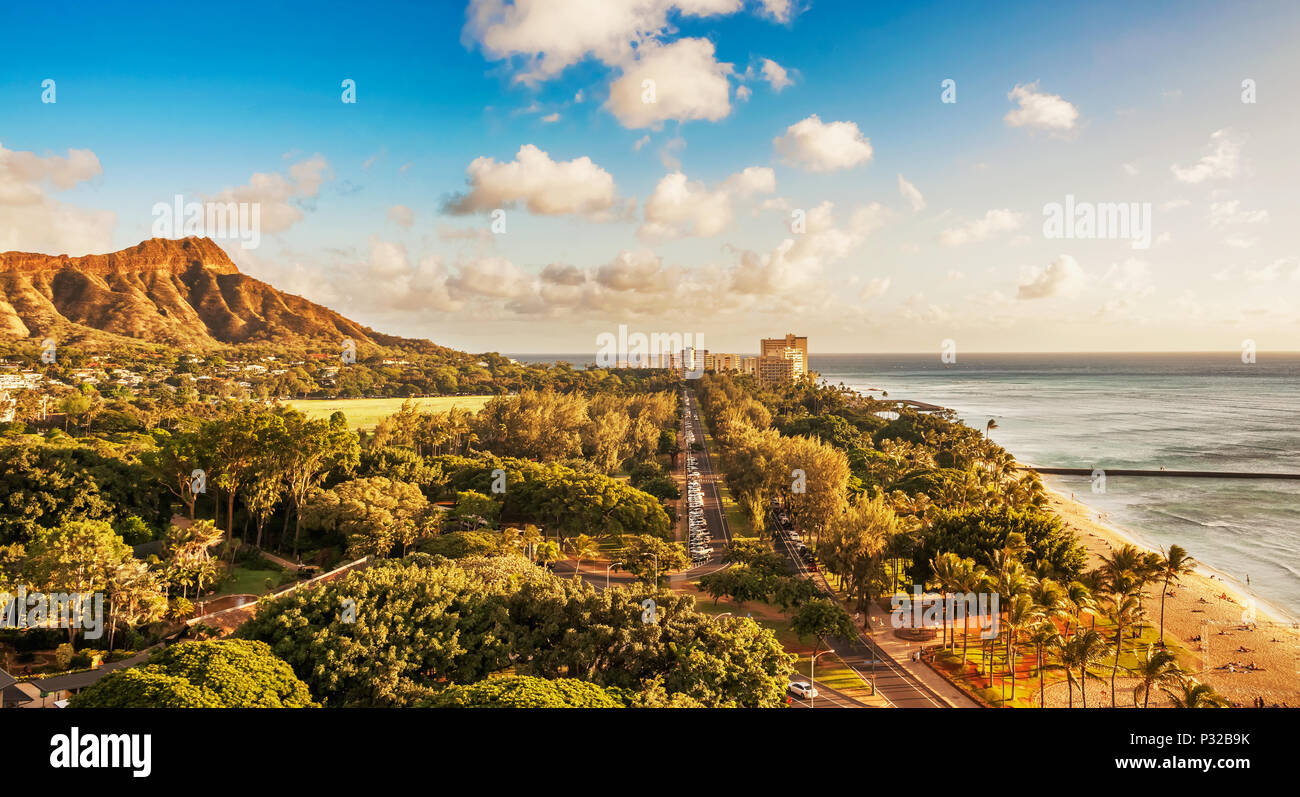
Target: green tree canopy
[[229, 673], [526, 691]]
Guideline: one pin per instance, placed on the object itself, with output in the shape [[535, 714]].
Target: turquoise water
[[1177, 411]]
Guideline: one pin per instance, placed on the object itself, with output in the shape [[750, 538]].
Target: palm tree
[[1156, 668], [1173, 566], [946, 567], [991, 425], [1079, 599], [1050, 597], [971, 579], [1193, 694], [582, 547], [1123, 611], [1123, 562], [1085, 649], [1021, 614], [1046, 635]]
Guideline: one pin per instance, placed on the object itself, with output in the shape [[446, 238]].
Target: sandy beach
[[1203, 606]]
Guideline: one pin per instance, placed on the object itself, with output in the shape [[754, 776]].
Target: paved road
[[714, 516], [895, 684]]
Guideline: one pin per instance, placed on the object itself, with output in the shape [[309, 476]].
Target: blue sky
[[1136, 103]]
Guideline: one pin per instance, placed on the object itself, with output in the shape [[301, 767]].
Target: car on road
[[803, 689]]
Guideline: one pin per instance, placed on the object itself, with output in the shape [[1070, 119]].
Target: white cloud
[[797, 260], [680, 207], [401, 215], [1221, 162], [668, 153], [819, 147], [280, 197], [31, 220], [780, 10], [1277, 270], [743, 93], [776, 75], [677, 81], [1062, 277], [911, 194], [546, 187], [492, 277], [550, 35], [876, 287], [994, 222], [551, 118], [1041, 111], [1228, 213]]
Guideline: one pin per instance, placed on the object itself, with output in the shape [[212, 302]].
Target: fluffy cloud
[[546, 187], [776, 75], [681, 80], [1041, 111], [994, 222], [386, 280], [31, 220], [1221, 162], [401, 215], [1062, 277], [819, 147], [780, 10], [797, 260], [911, 194], [631, 271], [680, 207], [281, 197], [493, 277], [550, 35]]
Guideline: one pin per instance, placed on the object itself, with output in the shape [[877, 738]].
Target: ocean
[[1142, 411], [1145, 411]]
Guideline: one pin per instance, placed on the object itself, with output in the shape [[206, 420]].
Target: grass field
[[366, 413]]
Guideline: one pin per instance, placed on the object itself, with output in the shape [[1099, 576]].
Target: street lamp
[[812, 676], [611, 564]]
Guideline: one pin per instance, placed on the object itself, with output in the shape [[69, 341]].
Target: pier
[[1186, 474]]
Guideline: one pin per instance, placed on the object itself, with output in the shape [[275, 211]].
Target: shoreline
[[1219, 637], [1238, 590]]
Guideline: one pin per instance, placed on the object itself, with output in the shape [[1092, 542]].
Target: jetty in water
[[1187, 474]]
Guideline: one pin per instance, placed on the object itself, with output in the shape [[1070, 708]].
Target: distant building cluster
[[780, 360]]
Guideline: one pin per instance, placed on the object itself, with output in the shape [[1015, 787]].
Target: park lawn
[[367, 413], [245, 581], [1026, 695]]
